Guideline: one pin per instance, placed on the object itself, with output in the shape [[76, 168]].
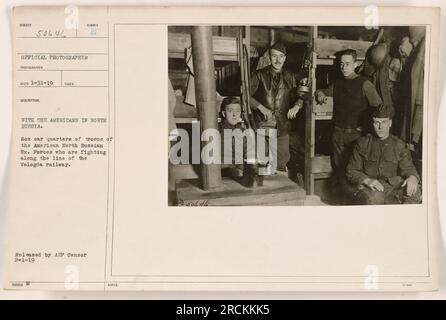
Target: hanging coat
[[417, 79]]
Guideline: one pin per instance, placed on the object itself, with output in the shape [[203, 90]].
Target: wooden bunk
[[224, 50], [276, 190]]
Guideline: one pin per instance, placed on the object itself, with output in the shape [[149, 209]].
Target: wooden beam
[[177, 42], [325, 116], [310, 117], [219, 57], [327, 48], [321, 164], [205, 97], [224, 48], [295, 29]]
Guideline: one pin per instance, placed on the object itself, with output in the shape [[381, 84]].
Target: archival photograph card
[[223, 149]]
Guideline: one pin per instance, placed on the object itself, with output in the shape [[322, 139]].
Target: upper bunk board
[[327, 48], [225, 48]]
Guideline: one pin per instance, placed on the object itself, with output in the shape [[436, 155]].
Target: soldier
[[353, 95], [381, 166], [231, 112], [274, 102]]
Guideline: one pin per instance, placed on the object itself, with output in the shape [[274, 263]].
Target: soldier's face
[[233, 114], [382, 127], [348, 65], [277, 59]]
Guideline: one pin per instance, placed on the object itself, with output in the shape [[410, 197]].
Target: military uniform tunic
[[388, 161]]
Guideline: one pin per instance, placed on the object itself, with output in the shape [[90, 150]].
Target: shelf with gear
[[320, 67]]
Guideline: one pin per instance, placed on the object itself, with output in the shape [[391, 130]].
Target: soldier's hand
[[373, 184], [266, 112], [294, 110], [411, 185], [320, 97]]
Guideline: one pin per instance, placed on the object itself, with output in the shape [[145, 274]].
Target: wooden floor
[[277, 190]]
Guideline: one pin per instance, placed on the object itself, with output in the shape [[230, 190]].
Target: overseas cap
[[384, 111], [279, 46]]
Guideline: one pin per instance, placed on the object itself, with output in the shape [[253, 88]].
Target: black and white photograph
[[295, 115], [300, 148]]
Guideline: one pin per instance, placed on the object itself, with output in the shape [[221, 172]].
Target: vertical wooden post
[[248, 44], [310, 117], [272, 36], [205, 93]]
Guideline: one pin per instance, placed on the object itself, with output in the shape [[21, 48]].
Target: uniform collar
[[383, 141]]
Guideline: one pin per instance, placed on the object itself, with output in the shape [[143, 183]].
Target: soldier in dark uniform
[[353, 99], [274, 101], [381, 166]]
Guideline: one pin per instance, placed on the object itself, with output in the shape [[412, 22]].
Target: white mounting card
[[88, 200]]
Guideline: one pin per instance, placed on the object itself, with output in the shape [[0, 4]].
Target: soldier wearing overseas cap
[[381, 166], [274, 101]]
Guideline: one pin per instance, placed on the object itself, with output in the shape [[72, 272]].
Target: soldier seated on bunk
[[381, 166], [231, 112]]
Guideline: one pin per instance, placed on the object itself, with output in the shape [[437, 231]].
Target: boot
[[249, 173], [251, 177]]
